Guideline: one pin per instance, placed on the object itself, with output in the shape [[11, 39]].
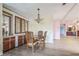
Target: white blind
[[17, 25], [23, 25]]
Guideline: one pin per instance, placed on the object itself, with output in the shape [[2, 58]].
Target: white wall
[[44, 25], [1, 39], [56, 29]]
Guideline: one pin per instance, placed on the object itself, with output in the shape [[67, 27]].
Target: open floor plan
[[39, 29]]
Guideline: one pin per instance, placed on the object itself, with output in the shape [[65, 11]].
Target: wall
[[1, 39], [44, 25], [56, 29]]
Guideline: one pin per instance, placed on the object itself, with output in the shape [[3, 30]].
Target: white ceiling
[[48, 10]]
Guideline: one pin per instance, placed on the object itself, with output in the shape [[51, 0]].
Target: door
[[62, 31]]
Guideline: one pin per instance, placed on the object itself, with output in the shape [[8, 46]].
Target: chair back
[[31, 37], [45, 35], [40, 34], [27, 36]]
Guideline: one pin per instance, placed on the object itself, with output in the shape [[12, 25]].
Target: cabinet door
[[12, 42], [20, 40], [5, 44], [24, 39], [69, 33]]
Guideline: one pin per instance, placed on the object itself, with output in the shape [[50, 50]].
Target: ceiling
[[55, 11]]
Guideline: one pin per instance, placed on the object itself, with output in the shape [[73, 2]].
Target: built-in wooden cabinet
[[20, 40], [8, 43], [11, 39], [12, 42], [24, 39], [71, 33]]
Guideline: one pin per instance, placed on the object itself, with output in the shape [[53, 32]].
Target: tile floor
[[23, 51]]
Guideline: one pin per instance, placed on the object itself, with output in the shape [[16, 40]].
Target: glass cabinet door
[[6, 25]]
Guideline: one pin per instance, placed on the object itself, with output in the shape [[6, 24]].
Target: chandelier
[[38, 16]]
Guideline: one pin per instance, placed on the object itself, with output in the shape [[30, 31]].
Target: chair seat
[[31, 44], [42, 39], [40, 42]]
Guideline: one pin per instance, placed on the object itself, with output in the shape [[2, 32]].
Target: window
[[23, 25], [7, 24], [19, 25]]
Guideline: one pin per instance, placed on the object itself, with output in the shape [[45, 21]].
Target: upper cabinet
[[7, 24]]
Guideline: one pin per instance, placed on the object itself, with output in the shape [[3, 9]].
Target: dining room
[[38, 29], [16, 32]]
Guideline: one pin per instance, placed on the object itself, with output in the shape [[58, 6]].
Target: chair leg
[[32, 49], [44, 44], [40, 45], [27, 46]]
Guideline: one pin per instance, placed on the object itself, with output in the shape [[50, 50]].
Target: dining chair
[[42, 38], [30, 40], [40, 35]]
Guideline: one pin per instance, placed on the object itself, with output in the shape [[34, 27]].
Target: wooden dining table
[[35, 38], [40, 42]]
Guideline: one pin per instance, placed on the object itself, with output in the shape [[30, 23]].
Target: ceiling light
[[63, 3], [38, 16]]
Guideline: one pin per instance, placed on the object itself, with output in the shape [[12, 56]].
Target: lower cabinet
[[69, 33], [8, 43], [5, 44], [20, 41], [12, 42], [24, 39]]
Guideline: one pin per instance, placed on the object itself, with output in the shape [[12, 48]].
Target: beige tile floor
[[23, 51]]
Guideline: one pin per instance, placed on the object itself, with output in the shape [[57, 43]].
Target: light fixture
[[38, 16], [63, 3]]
